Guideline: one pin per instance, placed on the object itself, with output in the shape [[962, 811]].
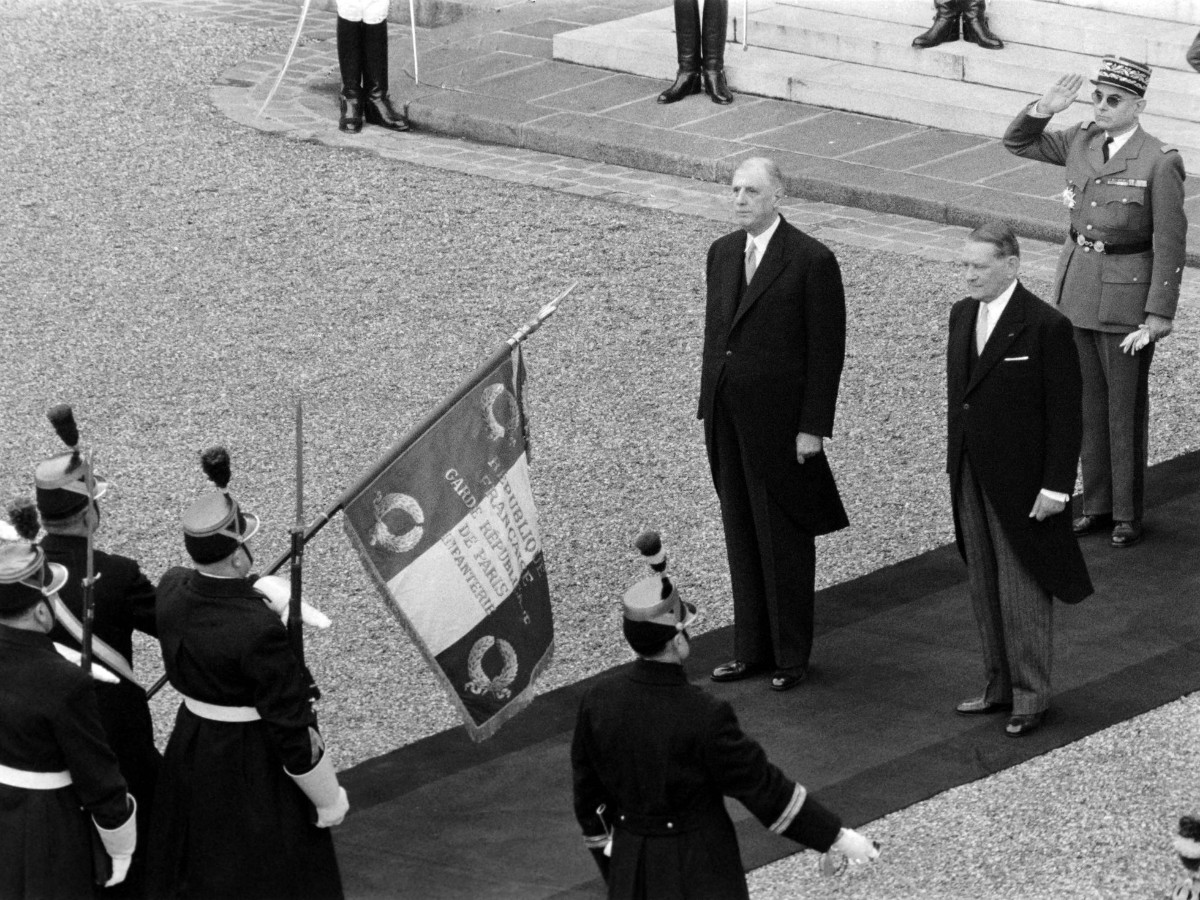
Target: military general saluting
[[1118, 276]]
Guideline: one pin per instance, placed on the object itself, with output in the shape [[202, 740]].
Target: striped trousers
[[1013, 612]]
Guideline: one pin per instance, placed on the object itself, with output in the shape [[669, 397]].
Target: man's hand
[[1060, 96], [1159, 326], [807, 445], [1044, 507]]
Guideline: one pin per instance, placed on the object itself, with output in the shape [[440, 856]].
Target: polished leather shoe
[[686, 84], [786, 679], [716, 86], [977, 706], [735, 671], [378, 110], [1019, 726], [1126, 534], [1090, 524], [351, 118]]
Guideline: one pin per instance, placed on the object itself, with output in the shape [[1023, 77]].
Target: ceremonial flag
[[449, 534]]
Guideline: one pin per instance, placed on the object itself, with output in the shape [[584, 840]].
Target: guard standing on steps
[[701, 51], [362, 46], [947, 15], [58, 778], [123, 600], [654, 757], [248, 792]]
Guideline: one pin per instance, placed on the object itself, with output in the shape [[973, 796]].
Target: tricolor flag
[[449, 533]]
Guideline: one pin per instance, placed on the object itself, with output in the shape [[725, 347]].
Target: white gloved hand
[[856, 848], [75, 658], [328, 816], [119, 844], [277, 594], [120, 868]]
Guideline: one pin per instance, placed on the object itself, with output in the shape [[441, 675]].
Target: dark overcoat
[[49, 723], [653, 759], [1017, 412], [775, 348], [229, 822]]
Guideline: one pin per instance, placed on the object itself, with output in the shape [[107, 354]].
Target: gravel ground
[[180, 279]]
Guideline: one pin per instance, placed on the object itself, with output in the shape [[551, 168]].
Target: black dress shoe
[[378, 110], [686, 84], [716, 86], [735, 671], [977, 706], [975, 26], [786, 679], [1126, 534], [1019, 726], [351, 118], [1090, 523]]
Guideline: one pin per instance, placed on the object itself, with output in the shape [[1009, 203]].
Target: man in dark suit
[[1014, 412], [774, 342], [653, 757]]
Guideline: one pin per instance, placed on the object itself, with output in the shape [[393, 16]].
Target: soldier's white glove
[[277, 594], [321, 786], [855, 847], [75, 658], [119, 843]]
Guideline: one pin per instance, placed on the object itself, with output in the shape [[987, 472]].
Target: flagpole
[[521, 334], [412, 27]]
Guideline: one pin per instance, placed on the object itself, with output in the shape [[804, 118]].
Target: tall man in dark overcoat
[[1118, 275], [1013, 429], [774, 343], [653, 758]]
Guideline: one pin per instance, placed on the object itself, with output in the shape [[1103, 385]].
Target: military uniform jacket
[[653, 759], [49, 723], [775, 349], [1016, 412], [229, 822], [1134, 198]]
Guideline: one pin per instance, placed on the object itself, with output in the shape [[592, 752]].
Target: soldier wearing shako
[[123, 601], [59, 782], [654, 757], [1118, 275], [248, 791]]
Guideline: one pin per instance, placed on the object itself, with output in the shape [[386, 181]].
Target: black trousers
[[772, 561]]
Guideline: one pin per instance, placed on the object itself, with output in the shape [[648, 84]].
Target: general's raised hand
[[1061, 95]]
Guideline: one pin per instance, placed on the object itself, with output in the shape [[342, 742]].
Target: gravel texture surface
[[180, 279]]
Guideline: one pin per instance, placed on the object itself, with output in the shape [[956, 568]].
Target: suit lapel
[[1119, 161], [768, 270], [1008, 328]]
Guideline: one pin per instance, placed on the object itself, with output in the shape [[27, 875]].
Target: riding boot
[[975, 25], [687, 42], [716, 23], [349, 49], [944, 27], [377, 106]]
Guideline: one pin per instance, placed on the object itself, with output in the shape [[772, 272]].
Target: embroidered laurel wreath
[[480, 683]]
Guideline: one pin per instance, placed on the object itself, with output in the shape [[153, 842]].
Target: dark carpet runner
[[871, 732]]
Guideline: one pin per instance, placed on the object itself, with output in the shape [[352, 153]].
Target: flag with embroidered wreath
[[448, 532]]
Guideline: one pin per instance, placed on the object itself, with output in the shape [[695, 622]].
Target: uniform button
[[670, 824], [1097, 181], [1089, 228], [966, 406], [1093, 203], [729, 353], [622, 817], [1135, 278]]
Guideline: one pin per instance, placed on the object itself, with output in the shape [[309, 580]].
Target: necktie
[[1104, 149], [981, 328], [751, 262]]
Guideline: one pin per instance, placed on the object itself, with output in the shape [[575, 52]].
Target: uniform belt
[[34, 781], [662, 826], [217, 713], [1109, 249]]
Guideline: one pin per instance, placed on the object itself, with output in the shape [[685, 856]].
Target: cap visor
[[58, 578], [252, 523]]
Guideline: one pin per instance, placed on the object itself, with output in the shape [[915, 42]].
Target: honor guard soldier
[[123, 601], [362, 47], [1118, 275], [248, 792], [654, 757], [59, 782]]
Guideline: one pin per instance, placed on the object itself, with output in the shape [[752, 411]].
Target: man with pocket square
[[1118, 276], [1013, 430]]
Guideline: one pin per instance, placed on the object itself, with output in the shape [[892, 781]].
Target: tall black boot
[[349, 48], [716, 23], [944, 27], [377, 106], [687, 43], [975, 25]]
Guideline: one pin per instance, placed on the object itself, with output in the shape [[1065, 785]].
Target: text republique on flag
[[449, 534]]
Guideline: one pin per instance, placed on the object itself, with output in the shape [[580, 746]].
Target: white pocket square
[[1015, 358]]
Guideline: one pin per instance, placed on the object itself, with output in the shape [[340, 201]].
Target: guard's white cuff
[[1056, 495], [119, 843], [321, 786], [277, 594]]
